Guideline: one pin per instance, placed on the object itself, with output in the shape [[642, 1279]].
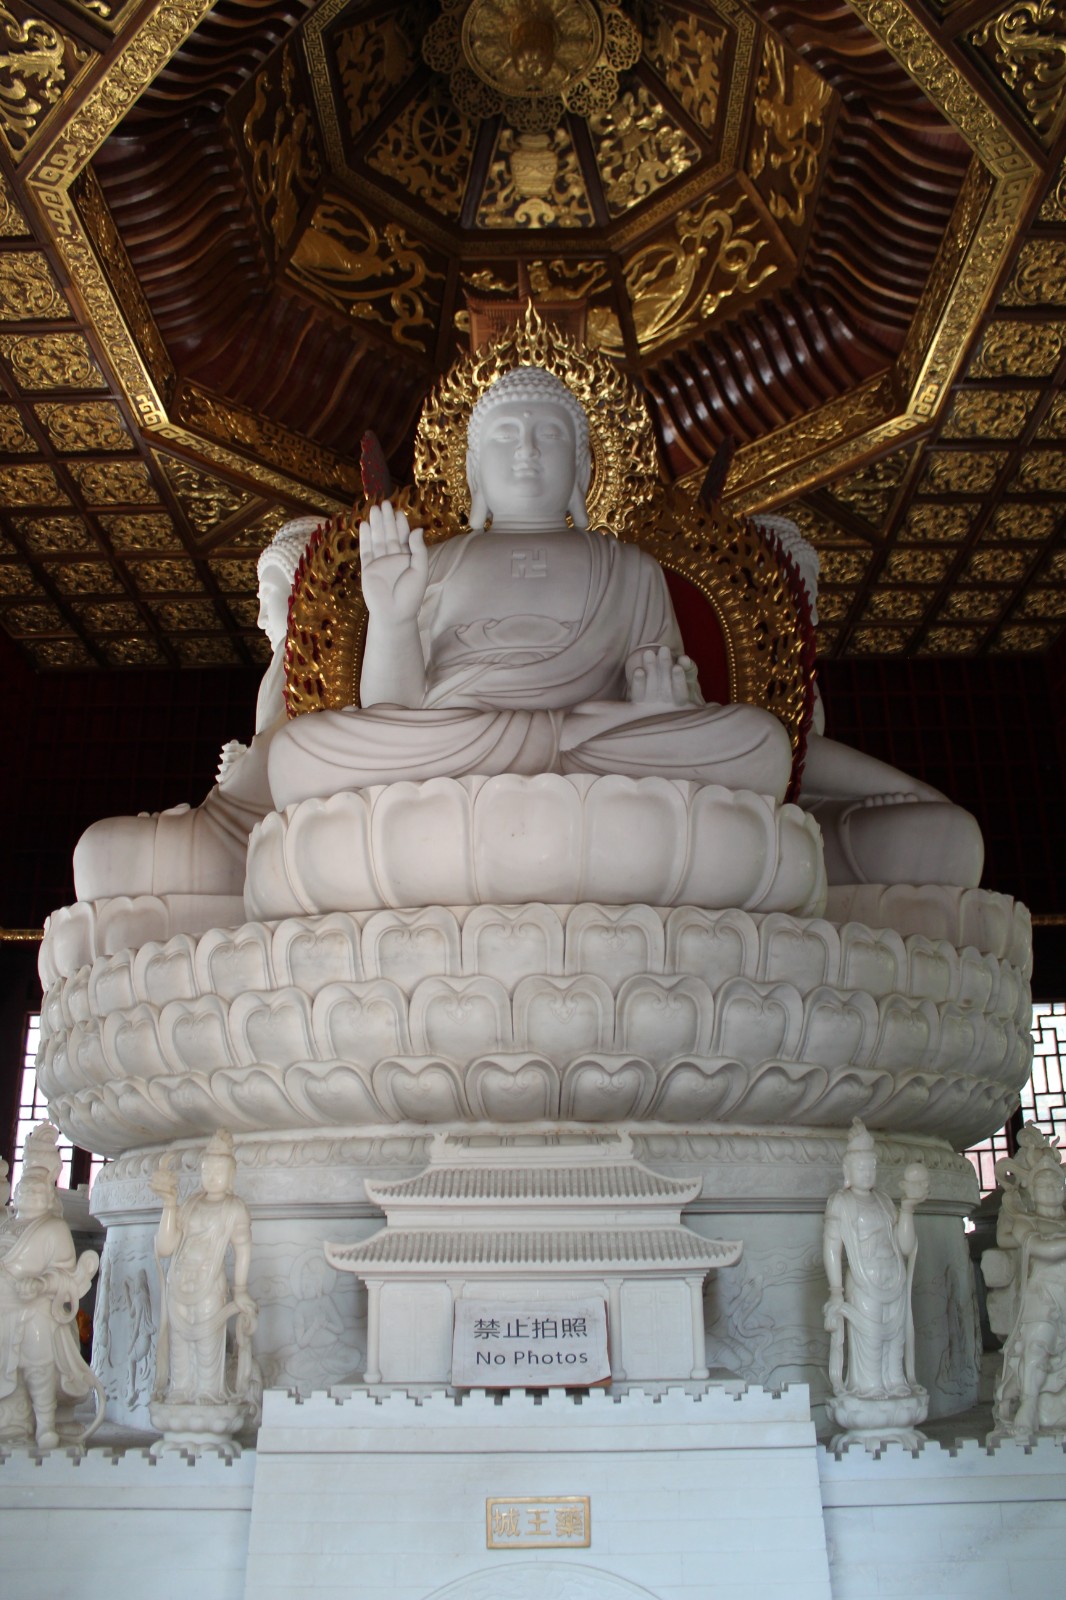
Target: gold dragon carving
[[791, 106], [284, 162], [33, 72], [1027, 43]]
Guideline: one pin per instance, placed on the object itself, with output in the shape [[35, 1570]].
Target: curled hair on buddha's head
[[532, 384], [287, 546]]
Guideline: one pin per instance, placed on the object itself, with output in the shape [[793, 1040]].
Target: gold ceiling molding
[[264, 440], [52, 171], [990, 209]]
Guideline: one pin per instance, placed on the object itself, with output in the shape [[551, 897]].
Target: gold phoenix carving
[[677, 282], [373, 58], [368, 273], [32, 74]]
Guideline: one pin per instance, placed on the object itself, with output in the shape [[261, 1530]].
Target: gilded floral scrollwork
[[638, 148], [28, 289], [427, 150], [265, 439], [91, 425], [534, 181], [1019, 350], [1027, 43], [205, 499], [13, 224], [1039, 278], [281, 149], [367, 272], [791, 107]]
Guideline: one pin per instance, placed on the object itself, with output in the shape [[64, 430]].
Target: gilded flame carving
[[367, 272], [1027, 44], [281, 150], [791, 107], [28, 289]]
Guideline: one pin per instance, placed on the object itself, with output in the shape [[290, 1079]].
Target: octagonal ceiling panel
[[232, 239]]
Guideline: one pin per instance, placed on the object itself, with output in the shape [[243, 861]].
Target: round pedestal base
[[197, 1427], [874, 1421]]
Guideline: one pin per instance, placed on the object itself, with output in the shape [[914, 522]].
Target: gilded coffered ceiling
[[829, 235]]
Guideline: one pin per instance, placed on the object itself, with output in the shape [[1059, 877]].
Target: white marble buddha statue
[[529, 645], [879, 825], [201, 850]]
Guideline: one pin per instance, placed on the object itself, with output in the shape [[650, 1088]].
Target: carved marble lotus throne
[[651, 955]]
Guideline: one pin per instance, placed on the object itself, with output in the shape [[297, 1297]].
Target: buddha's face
[[860, 1169], [217, 1174], [274, 592], [527, 463]]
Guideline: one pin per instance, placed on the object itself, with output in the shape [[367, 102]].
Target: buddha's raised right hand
[[394, 565]]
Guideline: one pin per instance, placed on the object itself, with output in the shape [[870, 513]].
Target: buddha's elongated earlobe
[[479, 510], [577, 510]]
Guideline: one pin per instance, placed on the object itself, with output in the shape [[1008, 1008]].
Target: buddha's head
[[528, 462], [860, 1159], [218, 1166], [277, 568]]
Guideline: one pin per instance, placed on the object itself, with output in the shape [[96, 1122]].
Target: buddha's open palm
[[394, 565]]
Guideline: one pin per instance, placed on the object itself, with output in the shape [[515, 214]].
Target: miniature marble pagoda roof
[[588, 1207]]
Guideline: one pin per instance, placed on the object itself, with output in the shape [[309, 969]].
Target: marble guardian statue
[[868, 1248], [1030, 1396], [530, 645], [203, 1394], [42, 1282]]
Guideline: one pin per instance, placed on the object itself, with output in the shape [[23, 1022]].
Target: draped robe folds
[[1040, 1321], [30, 1335], [875, 1292], [530, 693], [197, 1299]]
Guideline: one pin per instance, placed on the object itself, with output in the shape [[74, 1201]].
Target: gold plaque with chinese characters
[[550, 1522]]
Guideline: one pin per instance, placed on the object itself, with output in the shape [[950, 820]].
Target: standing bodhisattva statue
[[868, 1248], [203, 1394]]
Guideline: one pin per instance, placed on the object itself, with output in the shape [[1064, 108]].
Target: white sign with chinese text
[[520, 1344]]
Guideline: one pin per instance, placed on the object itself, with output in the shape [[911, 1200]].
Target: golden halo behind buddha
[[625, 473]]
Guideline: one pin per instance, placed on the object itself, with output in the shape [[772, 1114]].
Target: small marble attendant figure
[[868, 1249], [203, 1394], [529, 645], [1030, 1397], [201, 850], [42, 1281]]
